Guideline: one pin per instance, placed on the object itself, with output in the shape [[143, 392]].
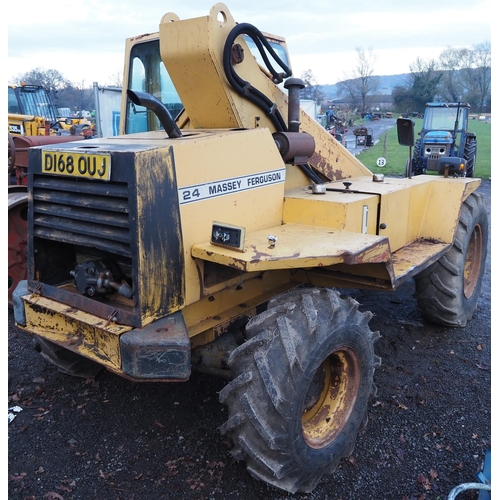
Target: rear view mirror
[[406, 136]]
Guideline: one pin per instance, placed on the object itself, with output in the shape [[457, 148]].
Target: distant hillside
[[386, 85]]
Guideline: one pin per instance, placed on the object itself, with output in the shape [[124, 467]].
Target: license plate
[[90, 166]]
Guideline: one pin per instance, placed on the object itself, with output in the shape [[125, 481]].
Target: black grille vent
[[82, 212]]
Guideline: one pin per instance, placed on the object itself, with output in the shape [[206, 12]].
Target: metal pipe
[[467, 486], [159, 109], [97, 105], [294, 85]]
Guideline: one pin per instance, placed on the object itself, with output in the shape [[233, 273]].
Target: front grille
[[436, 150], [82, 212]]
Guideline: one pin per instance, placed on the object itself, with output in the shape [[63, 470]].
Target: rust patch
[[361, 258], [319, 162], [321, 416], [258, 255], [140, 37]]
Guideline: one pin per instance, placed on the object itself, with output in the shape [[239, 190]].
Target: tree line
[[65, 94], [458, 75]]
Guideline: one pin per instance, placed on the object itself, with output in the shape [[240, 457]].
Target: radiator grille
[[82, 212]]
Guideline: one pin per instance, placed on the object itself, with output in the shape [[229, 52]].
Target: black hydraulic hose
[[158, 108], [251, 93], [261, 41], [243, 87], [307, 169]]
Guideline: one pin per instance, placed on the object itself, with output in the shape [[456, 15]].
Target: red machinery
[[18, 200]]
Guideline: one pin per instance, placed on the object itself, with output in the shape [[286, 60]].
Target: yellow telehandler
[[219, 239], [31, 111]]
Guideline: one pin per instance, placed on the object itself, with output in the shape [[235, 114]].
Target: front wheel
[[447, 292], [301, 387]]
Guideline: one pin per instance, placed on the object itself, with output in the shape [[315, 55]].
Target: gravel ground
[[110, 439]]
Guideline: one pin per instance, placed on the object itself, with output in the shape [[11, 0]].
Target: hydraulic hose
[[243, 87]]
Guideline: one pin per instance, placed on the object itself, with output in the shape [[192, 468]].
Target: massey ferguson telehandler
[[219, 241]]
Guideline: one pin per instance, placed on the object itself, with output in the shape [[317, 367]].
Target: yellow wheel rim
[[330, 398], [473, 260]]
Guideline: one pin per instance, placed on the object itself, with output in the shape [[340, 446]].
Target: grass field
[[396, 155]]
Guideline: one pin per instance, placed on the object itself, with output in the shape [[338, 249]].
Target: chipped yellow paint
[[256, 207], [298, 246], [423, 207], [153, 169], [229, 303], [332, 408], [78, 331], [194, 47]]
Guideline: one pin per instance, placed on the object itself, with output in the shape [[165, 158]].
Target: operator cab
[[145, 72]]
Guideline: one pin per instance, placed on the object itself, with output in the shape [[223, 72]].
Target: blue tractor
[[445, 144]]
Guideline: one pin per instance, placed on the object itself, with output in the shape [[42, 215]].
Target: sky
[[85, 41]]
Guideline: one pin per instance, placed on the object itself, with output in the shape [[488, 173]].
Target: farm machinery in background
[[18, 146], [445, 135], [215, 237], [31, 111], [363, 136], [32, 121]]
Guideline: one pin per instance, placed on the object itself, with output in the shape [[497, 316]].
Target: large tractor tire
[[447, 292], [302, 383], [470, 152], [417, 161]]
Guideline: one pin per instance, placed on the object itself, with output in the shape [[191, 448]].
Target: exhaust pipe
[[159, 109], [294, 85]]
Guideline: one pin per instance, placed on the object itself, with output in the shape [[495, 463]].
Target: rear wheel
[[301, 387], [470, 152], [417, 165], [447, 292]]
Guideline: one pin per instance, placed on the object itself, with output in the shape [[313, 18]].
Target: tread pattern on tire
[[417, 161], [439, 290], [269, 369], [470, 153]]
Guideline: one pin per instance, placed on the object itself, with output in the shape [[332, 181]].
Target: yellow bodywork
[[226, 169], [196, 60], [30, 125], [81, 332]]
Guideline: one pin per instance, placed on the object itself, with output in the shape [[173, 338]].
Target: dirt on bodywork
[[428, 427]]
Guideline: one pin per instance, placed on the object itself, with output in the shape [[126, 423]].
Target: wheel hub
[[472, 266], [330, 398]]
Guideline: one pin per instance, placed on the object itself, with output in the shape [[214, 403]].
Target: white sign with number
[[381, 162]]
